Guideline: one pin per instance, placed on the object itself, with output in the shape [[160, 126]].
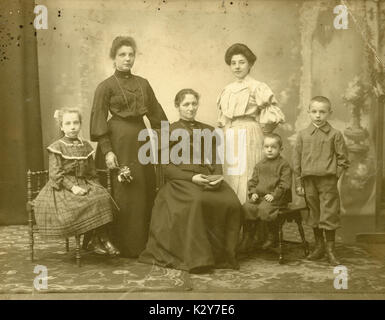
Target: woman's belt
[[128, 119], [243, 118]]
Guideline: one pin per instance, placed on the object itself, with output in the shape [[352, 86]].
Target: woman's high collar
[[123, 74], [192, 123]]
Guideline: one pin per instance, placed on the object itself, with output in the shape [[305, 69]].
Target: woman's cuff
[[105, 145]]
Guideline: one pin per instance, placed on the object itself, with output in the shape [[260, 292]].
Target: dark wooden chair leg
[[302, 233], [77, 239], [67, 245], [280, 240]]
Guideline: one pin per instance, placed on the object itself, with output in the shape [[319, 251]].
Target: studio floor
[[260, 275]]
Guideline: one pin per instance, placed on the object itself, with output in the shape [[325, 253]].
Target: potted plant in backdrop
[[358, 183]]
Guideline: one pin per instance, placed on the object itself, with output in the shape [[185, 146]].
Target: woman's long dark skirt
[[129, 230], [192, 228]]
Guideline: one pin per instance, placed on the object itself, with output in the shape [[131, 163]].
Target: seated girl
[[73, 202], [196, 217]]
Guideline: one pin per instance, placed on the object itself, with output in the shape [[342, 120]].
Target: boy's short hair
[[321, 99], [274, 136]]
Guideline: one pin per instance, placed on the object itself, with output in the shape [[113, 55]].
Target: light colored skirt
[[242, 154]]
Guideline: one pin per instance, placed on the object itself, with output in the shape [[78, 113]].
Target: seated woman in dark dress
[[194, 225]]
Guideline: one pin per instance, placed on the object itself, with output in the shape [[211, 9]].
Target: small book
[[213, 177], [215, 182]]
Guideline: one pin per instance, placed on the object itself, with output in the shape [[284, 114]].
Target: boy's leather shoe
[[330, 253], [269, 244], [272, 235], [319, 251]]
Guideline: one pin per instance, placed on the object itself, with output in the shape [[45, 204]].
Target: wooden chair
[[35, 182], [290, 214]]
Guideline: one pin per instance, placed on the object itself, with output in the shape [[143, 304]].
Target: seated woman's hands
[[215, 182], [208, 182], [111, 160], [200, 179]]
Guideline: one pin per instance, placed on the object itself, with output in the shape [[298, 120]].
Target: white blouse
[[248, 97]]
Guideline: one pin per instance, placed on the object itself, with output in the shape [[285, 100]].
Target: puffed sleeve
[[270, 113], [264, 96], [222, 119], [155, 112], [56, 172], [99, 115]]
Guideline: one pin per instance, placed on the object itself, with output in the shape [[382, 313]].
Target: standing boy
[[320, 158]]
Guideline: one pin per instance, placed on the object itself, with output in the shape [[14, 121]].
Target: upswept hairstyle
[[120, 41], [240, 48], [181, 95]]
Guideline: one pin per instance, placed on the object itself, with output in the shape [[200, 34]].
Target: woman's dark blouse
[[139, 100], [187, 171]]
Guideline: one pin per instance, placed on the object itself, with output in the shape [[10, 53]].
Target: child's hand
[[300, 191], [269, 198], [78, 190], [254, 197]]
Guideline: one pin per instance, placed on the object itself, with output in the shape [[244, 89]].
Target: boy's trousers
[[323, 200]]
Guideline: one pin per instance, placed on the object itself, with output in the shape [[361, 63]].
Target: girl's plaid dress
[[58, 211]]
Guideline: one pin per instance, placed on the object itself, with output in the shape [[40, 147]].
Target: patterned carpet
[[97, 274], [259, 273]]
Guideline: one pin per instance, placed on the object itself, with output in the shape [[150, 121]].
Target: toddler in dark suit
[[269, 190]]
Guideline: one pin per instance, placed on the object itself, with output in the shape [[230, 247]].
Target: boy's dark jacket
[[272, 176]]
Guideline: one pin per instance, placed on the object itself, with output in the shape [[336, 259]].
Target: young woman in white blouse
[[250, 105]]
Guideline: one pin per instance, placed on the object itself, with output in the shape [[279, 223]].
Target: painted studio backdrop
[[182, 44]]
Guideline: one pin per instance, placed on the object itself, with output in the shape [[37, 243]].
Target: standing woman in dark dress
[[128, 98]]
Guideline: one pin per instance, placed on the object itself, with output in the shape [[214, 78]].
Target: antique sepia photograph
[[188, 150]]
